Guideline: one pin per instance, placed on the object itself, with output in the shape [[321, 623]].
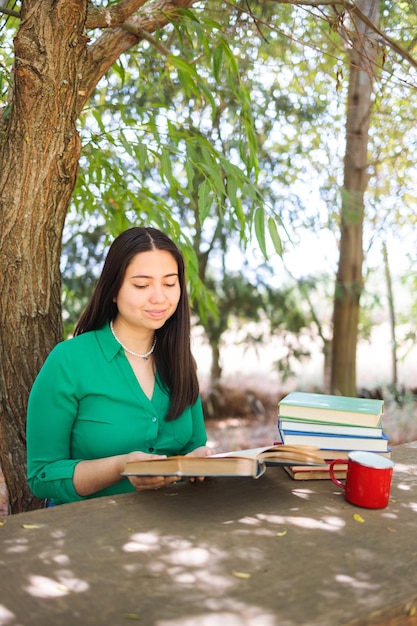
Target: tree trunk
[[349, 282], [39, 152], [392, 318], [215, 370]]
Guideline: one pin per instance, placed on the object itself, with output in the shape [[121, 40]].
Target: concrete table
[[226, 552]]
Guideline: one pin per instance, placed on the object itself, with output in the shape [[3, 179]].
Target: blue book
[[335, 442]]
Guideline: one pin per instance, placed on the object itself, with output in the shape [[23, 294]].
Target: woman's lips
[[157, 314]]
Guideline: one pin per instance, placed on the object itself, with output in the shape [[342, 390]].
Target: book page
[[251, 453], [278, 455]]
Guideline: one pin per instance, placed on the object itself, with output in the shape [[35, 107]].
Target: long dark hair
[[172, 357]]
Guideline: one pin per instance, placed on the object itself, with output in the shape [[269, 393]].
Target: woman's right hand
[[142, 483]]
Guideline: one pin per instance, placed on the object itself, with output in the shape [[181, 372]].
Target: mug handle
[[331, 471]]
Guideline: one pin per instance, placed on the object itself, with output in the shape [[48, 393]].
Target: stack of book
[[336, 425]]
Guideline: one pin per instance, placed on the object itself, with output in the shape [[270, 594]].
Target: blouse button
[[154, 419], [43, 475], [151, 449]]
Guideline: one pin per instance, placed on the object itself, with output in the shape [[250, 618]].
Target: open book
[[251, 462]]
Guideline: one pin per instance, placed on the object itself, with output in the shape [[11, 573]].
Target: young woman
[[125, 386]]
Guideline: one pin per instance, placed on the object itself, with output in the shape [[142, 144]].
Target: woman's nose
[[158, 294]]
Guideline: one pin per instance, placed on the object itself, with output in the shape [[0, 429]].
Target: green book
[[329, 408]]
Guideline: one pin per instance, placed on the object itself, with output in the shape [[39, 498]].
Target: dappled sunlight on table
[[6, 616], [64, 584], [142, 542], [328, 523], [408, 470], [305, 494], [239, 614], [355, 582], [241, 552]]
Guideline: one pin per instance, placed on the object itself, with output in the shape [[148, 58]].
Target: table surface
[[228, 552]]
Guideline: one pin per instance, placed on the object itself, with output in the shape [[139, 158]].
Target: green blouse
[[86, 403]]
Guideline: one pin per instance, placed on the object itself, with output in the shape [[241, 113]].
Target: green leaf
[[120, 71], [242, 219], [141, 152], [260, 229], [276, 239], [232, 66], [205, 200], [217, 61], [215, 179], [126, 144], [209, 96], [232, 189], [98, 117], [183, 66], [166, 166], [187, 83]]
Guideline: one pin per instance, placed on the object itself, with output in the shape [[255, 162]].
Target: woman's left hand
[[201, 451]]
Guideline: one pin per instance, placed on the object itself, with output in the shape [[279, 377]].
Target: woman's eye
[[174, 284]]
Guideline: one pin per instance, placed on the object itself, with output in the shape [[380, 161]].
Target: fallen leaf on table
[[358, 518], [281, 533], [31, 526], [132, 616], [241, 574], [2, 523]]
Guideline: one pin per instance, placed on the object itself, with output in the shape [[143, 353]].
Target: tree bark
[[349, 282], [39, 152]]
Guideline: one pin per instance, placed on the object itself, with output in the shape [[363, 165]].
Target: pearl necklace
[[142, 356]]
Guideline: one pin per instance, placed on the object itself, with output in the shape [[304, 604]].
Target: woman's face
[[150, 291]]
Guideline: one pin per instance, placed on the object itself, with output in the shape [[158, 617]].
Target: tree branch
[[140, 33], [115, 41], [10, 12], [112, 16], [390, 42], [352, 8]]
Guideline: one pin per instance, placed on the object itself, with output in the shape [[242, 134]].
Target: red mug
[[368, 479]]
